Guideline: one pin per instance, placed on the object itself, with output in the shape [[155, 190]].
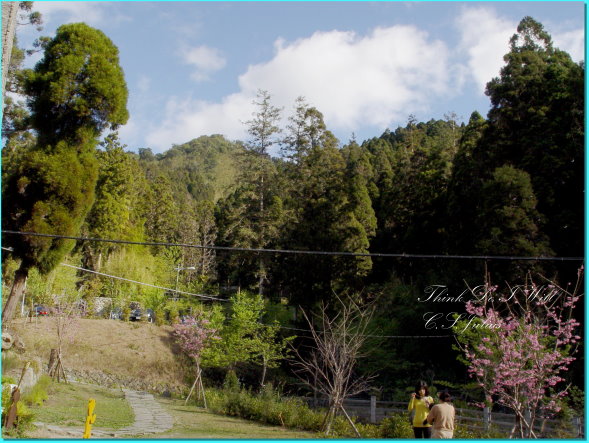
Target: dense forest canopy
[[510, 185]]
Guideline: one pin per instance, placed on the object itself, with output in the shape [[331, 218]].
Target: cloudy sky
[[193, 68]]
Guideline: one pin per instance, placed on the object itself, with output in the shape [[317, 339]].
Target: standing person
[[442, 416], [421, 403]]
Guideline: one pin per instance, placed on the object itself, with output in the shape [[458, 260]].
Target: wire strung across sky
[[211, 297], [301, 252]]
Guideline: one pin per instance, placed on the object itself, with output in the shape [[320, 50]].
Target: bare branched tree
[[338, 344]]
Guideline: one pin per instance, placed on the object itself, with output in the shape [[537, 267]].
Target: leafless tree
[[338, 344]]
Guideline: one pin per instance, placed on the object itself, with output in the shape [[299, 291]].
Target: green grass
[[194, 422], [67, 405]]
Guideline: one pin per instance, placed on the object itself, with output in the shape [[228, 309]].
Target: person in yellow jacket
[[421, 403]]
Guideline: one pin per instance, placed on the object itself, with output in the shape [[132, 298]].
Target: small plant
[[396, 426], [38, 393], [231, 382], [24, 416], [159, 316], [10, 361]]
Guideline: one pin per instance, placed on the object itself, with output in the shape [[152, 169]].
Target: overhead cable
[[301, 252], [210, 297]]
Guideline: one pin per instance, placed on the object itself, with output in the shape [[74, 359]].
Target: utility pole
[[178, 269]]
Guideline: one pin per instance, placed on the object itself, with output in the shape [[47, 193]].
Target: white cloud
[[572, 42], [353, 80], [485, 39], [206, 60], [144, 84], [187, 119], [93, 13]]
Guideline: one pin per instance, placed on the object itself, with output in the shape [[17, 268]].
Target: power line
[[225, 300], [210, 297], [302, 252]]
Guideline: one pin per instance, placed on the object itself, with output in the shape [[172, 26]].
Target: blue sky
[[193, 68]]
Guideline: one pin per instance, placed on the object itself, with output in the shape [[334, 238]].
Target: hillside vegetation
[[139, 354], [252, 237]]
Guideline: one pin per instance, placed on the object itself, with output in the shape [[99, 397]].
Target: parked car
[[139, 314], [116, 314], [41, 310]]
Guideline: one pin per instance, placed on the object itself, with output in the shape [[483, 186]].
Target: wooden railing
[[373, 411]]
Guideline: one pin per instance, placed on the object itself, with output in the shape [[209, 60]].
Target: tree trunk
[[18, 287], [328, 420], [264, 366], [261, 269]]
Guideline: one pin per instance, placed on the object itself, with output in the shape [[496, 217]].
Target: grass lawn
[[68, 406], [193, 422]]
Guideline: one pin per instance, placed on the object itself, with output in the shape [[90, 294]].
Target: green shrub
[[368, 430], [8, 379], [173, 313], [270, 408], [24, 416], [396, 426], [38, 394], [160, 316], [10, 361], [6, 392], [266, 407], [231, 382]]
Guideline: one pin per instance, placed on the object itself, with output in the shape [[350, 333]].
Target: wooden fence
[[373, 411]]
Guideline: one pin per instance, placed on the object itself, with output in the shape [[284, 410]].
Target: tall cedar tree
[[329, 212], [76, 90], [536, 123], [250, 216]]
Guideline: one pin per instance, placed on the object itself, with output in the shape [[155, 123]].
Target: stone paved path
[[150, 418]]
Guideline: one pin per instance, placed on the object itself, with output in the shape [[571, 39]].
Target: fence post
[[578, 427], [486, 418], [373, 409]]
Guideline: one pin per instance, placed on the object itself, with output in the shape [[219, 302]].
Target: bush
[[10, 361], [24, 416], [160, 316], [266, 407], [396, 426], [8, 379], [231, 382], [39, 392], [270, 408]]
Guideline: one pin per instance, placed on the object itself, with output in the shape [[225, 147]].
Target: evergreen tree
[[465, 188], [508, 222], [253, 213], [329, 213], [536, 124], [110, 216], [74, 92]]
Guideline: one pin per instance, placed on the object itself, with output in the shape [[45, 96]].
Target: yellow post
[[90, 419]]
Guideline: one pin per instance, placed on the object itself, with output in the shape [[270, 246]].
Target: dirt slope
[[141, 355]]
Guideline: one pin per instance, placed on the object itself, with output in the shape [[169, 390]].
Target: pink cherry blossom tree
[[193, 336], [527, 343]]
